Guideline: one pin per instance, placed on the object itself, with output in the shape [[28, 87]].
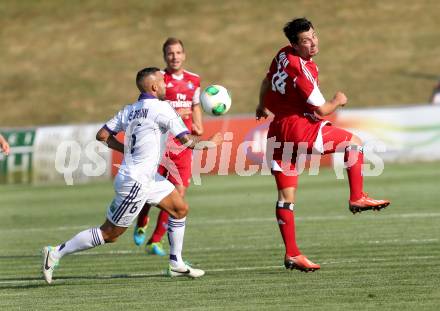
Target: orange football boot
[[365, 203], [301, 263]]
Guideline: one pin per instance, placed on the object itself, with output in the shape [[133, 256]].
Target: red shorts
[[177, 168], [326, 136]]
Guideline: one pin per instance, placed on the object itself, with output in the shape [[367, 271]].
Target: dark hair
[[171, 41], [295, 27], [142, 74]]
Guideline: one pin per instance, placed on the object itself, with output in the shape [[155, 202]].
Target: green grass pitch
[[388, 260]]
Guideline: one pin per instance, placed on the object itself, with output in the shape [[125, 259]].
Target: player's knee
[[181, 210], [287, 194]]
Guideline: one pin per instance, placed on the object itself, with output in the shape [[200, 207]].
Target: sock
[[86, 239], [176, 231], [286, 221], [161, 227], [142, 219], [353, 154]]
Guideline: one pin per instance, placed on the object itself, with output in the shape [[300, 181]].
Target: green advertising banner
[[17, 167]]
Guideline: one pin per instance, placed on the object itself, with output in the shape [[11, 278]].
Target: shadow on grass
[[36, 282]]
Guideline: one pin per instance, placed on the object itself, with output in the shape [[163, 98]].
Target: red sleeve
[[304, 85], [302, 78]]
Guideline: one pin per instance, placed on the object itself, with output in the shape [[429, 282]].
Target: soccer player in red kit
[[291, 92], [182, 92]]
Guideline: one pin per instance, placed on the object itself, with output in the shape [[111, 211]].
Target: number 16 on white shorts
[[131, 197]]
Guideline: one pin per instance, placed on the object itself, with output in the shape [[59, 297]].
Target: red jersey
[[295, 83], [182, 91]]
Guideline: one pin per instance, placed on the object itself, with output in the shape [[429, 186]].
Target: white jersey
[[146, 124]]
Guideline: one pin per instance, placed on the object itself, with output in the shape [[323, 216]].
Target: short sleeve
[[169, 120], [115, 124], [306, 84]]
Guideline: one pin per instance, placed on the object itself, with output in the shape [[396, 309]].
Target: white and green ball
[[215, 100]]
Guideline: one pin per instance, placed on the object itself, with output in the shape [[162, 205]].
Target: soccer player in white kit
[[146, 124]]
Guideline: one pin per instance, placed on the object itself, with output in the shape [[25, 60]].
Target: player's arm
[[197, 125], [110, 129], [195, 142], [261, 111], [339, 100], [4, 146], [171, 121], [104, 135], [308, 87]]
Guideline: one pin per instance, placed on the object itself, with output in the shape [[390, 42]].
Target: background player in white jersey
[[147, 124], [182, 92]]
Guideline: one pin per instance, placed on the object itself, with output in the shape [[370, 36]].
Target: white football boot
[[185, 270], [49, 263]]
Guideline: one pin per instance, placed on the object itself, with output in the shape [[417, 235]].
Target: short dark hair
[[171, 41], [142, 74], [295, 27]]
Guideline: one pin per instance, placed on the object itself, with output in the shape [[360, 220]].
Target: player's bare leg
[[177, 208], [286, 221], [154, 244], [111, 232], [359, 200]]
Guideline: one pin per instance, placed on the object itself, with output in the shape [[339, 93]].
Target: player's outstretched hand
[[340, 98], [261, 112]]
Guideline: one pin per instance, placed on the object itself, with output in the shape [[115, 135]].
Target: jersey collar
[[175, 76], [145, 96]]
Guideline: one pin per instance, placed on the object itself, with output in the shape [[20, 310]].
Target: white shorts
[[131, 197]]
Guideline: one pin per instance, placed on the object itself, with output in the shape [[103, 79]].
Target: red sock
[[286, 222], [354, 172], [142, 220], [161, 227]]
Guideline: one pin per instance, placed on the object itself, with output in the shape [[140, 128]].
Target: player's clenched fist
[[340, 98]]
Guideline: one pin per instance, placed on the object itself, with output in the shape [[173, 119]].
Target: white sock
[[176, 232], [84, 240]]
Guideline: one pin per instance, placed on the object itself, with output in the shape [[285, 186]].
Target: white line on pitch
[[210, 221], [230, 247]]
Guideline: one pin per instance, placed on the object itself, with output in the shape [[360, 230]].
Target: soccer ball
[[215, 100]]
